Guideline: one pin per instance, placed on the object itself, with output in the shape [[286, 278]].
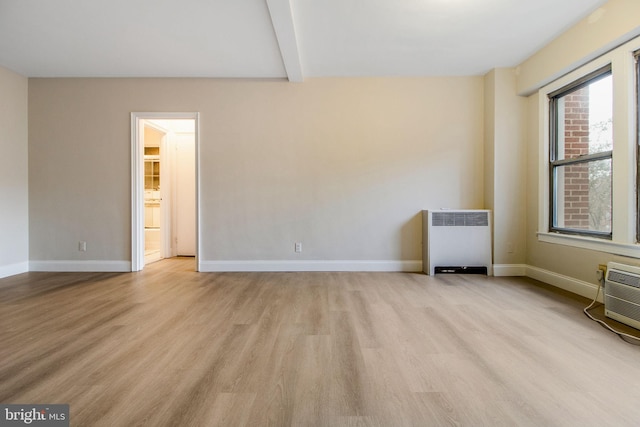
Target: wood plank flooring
[[171, 347]]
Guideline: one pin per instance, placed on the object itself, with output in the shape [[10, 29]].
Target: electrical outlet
[[601, 273], [298, 247], [82, 246]]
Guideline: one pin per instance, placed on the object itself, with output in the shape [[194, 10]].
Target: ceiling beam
[[282, 20]]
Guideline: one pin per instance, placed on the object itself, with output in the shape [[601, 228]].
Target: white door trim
[[137, 183]]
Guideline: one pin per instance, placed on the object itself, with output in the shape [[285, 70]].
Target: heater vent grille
[[624, 278], [460, 219]]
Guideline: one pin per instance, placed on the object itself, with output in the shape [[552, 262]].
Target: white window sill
[[594, 244]]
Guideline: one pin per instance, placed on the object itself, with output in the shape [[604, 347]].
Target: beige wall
[[342, 165], [505, 176], [614, 23], [489, 139], [14, 231], [152, 137]]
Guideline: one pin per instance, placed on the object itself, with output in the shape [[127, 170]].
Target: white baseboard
[[576, 286], [13, 269], [509, 269], [580, 287], [310, 265], [88, 266]]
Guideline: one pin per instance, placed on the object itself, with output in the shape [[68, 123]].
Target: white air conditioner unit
[[622, 294], [456, 241]]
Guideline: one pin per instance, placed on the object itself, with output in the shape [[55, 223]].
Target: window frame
[[625, 225], [554, 163], [636, 65]]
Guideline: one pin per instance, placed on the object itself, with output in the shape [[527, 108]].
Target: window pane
[[585, 120], [582, 198]]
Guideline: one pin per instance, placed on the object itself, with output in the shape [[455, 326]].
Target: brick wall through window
[[576, 143]]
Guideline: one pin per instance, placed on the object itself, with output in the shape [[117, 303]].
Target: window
[[588, 185], [580, 156]]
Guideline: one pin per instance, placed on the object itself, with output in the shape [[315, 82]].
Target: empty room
[[319, 213]]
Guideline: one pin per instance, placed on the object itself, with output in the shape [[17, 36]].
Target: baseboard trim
[[509, 269], [13, 269], [310, 265], [80, 266], [576, 286]]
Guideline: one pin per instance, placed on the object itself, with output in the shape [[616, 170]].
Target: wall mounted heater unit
[[456, 241], [622, 294]]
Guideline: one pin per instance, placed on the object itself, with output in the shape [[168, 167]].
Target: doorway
[[164, 187]]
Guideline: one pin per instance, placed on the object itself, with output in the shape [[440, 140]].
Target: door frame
[[137, 182]]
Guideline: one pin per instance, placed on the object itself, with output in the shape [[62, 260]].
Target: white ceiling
[[277, 38]]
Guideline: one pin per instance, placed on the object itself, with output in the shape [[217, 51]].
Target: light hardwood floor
[[171, 347]]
